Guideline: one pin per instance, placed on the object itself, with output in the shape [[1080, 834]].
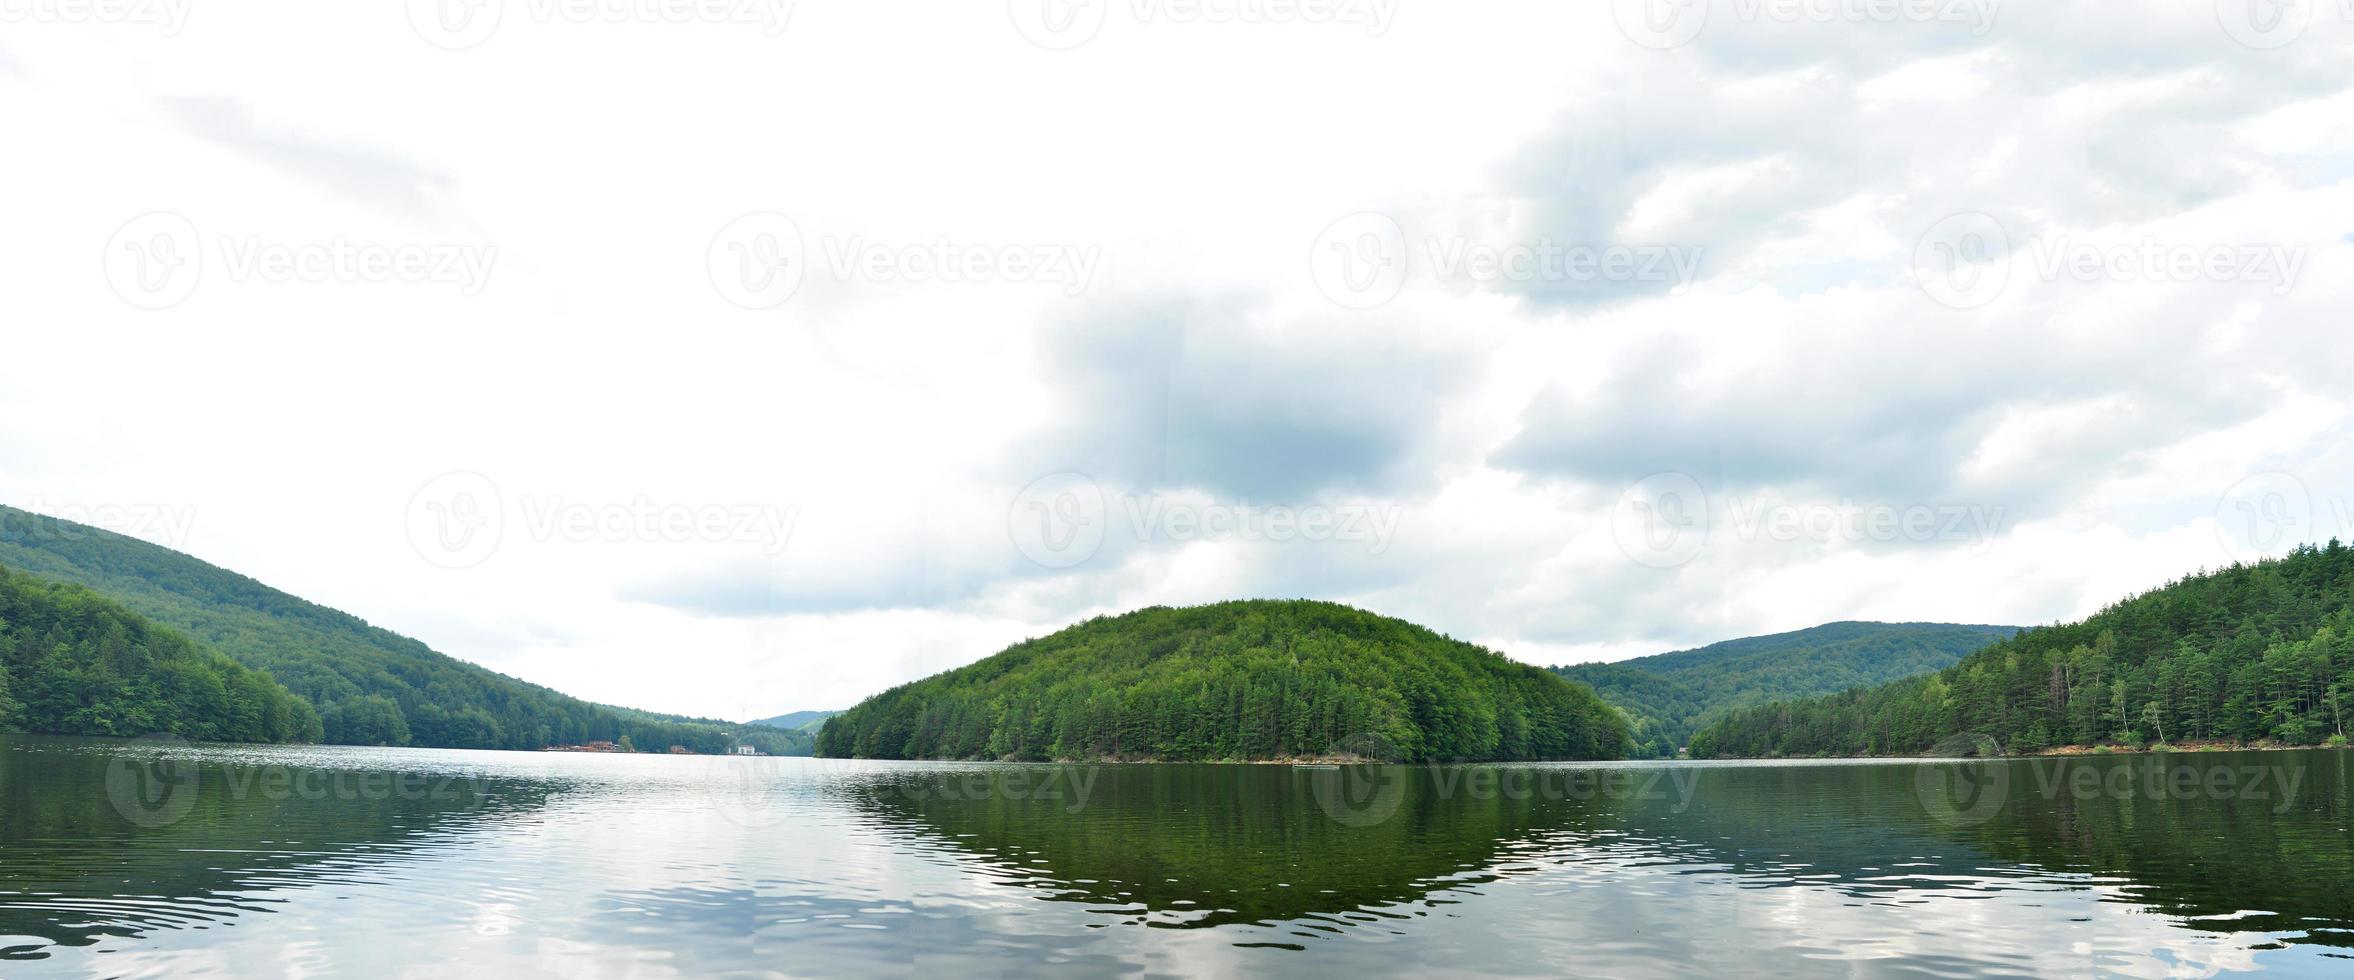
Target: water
[[147, 859]]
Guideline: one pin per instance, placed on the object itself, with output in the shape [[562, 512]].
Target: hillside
[[1257, 679], [74, 663], [2244, 654], [370, 686], [796, 721], [1668, 696]]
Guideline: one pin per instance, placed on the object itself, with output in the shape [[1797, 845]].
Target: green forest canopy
[[74, 663], [1253, 679], [370, 686], [2249, 653], [1668, 696]]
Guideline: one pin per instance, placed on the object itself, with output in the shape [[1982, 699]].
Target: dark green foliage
[[1668, 696], [2260, 652], [74, 663], [1256, 679], [370, 686]]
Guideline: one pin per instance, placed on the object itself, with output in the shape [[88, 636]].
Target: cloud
[[1239, 398], [368, 175]]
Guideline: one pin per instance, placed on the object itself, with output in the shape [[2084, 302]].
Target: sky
[[732, 358]]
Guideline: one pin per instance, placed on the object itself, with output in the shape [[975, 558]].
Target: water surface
[[148, 859]]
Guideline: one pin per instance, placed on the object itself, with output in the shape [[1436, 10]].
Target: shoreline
[[2055, 752]]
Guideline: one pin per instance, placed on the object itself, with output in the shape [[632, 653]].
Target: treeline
[[1668, 696], [1253, 679], [2250, 653], [370, 686], [74, 663]]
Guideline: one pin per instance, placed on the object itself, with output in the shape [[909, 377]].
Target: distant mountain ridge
[[1668, 696], [370, 686], [796, 721]]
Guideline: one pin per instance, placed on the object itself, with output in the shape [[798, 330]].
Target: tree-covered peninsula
[[2249, 653], [1245, 680]]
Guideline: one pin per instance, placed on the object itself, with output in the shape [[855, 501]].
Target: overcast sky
[[738, 358]]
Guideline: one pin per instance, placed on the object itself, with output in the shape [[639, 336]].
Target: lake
[[153, 858]]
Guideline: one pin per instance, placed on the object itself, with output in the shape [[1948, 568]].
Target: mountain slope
[[796, 721], [1257, 679], [74, 663], [1668, 696], [2246, 653], [370, 686]]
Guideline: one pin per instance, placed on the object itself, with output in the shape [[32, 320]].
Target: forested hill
[[74, 663], [2245, 654], [370, 686], [1255, 679], [796, 721], [1668, 696]]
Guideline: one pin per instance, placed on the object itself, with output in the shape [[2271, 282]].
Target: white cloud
[[1498, 421]]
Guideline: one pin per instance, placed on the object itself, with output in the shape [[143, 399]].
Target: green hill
[[74, 663], [797, 721], [2249, 653], [1257, 679], [370, 686], [1668, 696]]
